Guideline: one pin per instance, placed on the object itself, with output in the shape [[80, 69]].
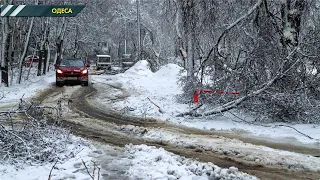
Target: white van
[[103, 62]]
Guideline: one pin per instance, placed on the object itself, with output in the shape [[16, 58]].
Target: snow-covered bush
[[28, 137]]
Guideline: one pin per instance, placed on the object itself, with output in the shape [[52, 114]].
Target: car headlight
[[59, 71], [85, 71]]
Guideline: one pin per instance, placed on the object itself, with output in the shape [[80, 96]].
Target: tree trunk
[[5, 46], [45, 46], [190, 57], [139, 30], [48, 54], [23, 55], [42, 65], [181, 48], [41, 48], [10, 58], [59, 42]]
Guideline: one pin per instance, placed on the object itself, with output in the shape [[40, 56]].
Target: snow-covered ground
[[26, 89], [153, 163], [161, 88], [142, 162]]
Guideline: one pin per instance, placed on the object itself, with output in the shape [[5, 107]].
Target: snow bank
[[160, 87], [28, 88], [141, 68], [153, 163]]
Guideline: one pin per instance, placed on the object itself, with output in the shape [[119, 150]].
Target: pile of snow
[[153, 163], [160, 87], [141, 68]]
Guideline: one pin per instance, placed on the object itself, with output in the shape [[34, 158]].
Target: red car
[[71, 70]]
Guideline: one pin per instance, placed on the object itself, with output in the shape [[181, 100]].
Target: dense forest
[[267, 50]]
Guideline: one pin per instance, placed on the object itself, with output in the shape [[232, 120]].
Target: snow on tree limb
[[237, 22], [228, 29], [233, 104]]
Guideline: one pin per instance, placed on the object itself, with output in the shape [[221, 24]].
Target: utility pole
[[125, 36], [139, 33]]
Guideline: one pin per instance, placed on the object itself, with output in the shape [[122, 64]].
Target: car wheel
[[59, 84], [86, 83]]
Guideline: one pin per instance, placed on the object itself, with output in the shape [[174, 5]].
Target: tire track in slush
[[84, 107]]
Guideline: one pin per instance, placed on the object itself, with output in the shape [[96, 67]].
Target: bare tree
[[25, 51], [5, 46]]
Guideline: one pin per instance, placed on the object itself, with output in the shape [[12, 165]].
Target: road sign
[[40, 10]]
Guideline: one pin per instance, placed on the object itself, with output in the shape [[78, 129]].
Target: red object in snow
[[220, 92], [195, 97], [33, 59], [198, 91]]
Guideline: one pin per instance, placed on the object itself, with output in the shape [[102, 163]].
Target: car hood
[[71, 69]]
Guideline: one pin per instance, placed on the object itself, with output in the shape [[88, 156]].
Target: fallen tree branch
[[95, 167], [159, 108], [49, 178], [297, 131], [31, 139], [15, 135], [248, 122], [233, 104], [87, 169], [192, 112]]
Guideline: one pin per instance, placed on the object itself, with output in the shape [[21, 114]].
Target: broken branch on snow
[[159, 108], [95, 167], [233, 104]]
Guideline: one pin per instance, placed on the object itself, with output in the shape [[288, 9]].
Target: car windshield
[[104, 59], [72, 62]]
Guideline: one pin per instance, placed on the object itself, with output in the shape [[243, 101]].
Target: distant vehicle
[[72, 70], [103, 62], [127, 61]]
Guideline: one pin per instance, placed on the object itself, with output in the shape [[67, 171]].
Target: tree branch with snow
[[235, 103]]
